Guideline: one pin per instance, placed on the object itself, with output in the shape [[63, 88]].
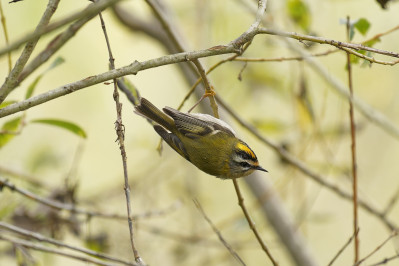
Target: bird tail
[[148, 110]]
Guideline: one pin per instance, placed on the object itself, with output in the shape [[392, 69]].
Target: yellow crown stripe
[[246, 149]]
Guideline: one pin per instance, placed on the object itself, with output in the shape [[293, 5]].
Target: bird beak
[[261, 168]]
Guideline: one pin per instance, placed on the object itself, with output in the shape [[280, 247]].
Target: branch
[[74, 209], [90, 11], [31, 245], [120, 132], [133, 68], [217, 232], [392, 235], [370, 113], [12, 79], [321, 40], [251, 222], [342, 249], [353, 150], [57, 243]]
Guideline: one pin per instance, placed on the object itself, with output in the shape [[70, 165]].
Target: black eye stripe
[[246, 155], [244, 164]]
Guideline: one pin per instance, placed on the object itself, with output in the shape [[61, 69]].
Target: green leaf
[[29, 92], [58, 61], [6, 103], [371, 43], [299, 12], [362, 25], [32, 86], [351, 32], [9, 130], [72, 127]]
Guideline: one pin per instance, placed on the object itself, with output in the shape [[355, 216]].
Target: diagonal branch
[[12, 79], [57, 243]]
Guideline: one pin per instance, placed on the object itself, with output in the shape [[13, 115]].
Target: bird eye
[[245, 164]]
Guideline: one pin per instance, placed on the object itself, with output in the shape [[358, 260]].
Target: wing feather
[[172, 140], [196, 125]]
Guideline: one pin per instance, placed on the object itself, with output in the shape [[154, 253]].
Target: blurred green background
[[268, 96]]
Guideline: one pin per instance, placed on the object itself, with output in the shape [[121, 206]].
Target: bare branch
[[31, 245], [74, 209], [342, 249], [57, 243], [393, 234], [217, 232], [353, 150], [120, 132], [321, 40], [12, 79], [133, 68]]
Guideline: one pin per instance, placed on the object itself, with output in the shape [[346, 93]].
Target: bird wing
[[197, 125], [172, 140]]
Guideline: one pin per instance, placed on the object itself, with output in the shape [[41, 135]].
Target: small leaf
[[58, 61], [371, 43], [6, 103], [72, 127], [29, 92], [351, 32], [32, 86], [9, 130], [362, 25]]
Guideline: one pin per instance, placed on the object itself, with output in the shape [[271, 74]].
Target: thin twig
[[379, 35], [76, 210], [342, 249], [57, 243], [120, 131], [321, 40], [353, 149], [32, 245], [250, 222], [197, 82], [391, 202], [386, 260], [209, 92], [393, 234], [217, 232]]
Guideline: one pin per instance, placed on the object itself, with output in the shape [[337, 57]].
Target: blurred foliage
[[299, 12], [9, 130]]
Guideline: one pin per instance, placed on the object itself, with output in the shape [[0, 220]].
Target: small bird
[[205, 141]]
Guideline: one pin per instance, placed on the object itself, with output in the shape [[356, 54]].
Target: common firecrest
[[205, 141]]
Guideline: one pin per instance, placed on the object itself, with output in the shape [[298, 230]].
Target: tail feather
[[148, 110]]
